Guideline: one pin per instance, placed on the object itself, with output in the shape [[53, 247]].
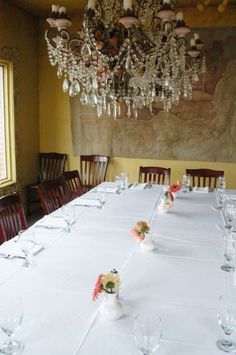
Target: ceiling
[[43, 7]]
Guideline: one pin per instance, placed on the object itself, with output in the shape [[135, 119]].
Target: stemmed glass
[[125, 180], [147, 332], [220, 194], [11, 315], [229, 253], [186, 183], [221, 183], [68, 213], [26, 242], [229, 212], [227, 320]]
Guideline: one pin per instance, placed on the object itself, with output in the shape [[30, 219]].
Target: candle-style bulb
[[179, 16], [127, 5], [62, 10], [91, 4], [192, 42], [196, 36]]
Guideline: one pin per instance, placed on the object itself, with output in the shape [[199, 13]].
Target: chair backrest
[[204, 177], [51, 165], [73, 185], [52, 195], [154, 175], [12, 217], [93, 170]]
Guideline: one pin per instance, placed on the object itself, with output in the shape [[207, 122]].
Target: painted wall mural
[[203, 129]]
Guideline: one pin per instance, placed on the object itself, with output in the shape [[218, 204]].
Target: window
[[7, 141]]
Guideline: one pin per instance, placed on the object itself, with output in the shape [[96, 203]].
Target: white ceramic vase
[[162, 208], [147, 244], [112, 308]]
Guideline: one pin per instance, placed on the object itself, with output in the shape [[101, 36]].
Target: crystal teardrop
[[76, 87], [65, 85], [128, 64], [86, 51], [84, 98], [59, 72]]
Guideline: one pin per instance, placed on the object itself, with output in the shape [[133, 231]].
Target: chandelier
[[124, 56]]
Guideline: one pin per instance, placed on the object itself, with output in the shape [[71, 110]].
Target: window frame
[[9, 123]]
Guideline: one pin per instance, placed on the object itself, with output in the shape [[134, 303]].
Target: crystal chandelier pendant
[[127, 55]]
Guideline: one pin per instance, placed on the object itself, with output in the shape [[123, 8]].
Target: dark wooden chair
[[51, 166], [204, 177], [93, 170], [12, 217], [52, 195], [154, 175], [72, 184]]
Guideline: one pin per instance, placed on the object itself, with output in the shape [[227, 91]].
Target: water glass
[[186, 183], [147, 331], [68, 213], [125, 180], [11, 316], [26, 242], [227, 320], [229, 253], [221, 183], [229, 212], [220, 195]]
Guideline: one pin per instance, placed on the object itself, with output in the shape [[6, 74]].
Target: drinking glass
[[68, 213], [220, 195], [229, 212], [227, 320], [147, 332], [125, 180], [26, 242], [229, 253], [11, 315], [221, 183], [186, 183]]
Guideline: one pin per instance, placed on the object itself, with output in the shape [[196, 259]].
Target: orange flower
[[98, 288], [140, 229]]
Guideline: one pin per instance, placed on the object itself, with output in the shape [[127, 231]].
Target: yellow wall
[[20, 30], [55, 133]]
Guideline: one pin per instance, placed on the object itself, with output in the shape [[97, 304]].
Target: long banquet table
[[181, 280]]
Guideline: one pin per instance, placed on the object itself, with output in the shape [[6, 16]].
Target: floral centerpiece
[[173, 188], [140, 229], [109, 283]]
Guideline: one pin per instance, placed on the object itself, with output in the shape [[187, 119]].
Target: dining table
[[181, 280]]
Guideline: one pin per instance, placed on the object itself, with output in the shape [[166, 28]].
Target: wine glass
[[68, 214], [26, 242], [147, 332], [229, 253], [125, 180], [221, 183], [227, 320], [229, 212], [221, 196], [11, 315], [186, 183]]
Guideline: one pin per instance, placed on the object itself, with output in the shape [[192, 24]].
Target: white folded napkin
[[52, 222], [201, 189], [138, 186], [85, 202], [12, 249], [107, 189]]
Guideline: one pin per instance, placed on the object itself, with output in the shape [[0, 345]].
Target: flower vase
[[112, 308], [147, 245], [164, 206]]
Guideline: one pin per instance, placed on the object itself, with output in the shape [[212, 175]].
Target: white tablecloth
[[181, 280]]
